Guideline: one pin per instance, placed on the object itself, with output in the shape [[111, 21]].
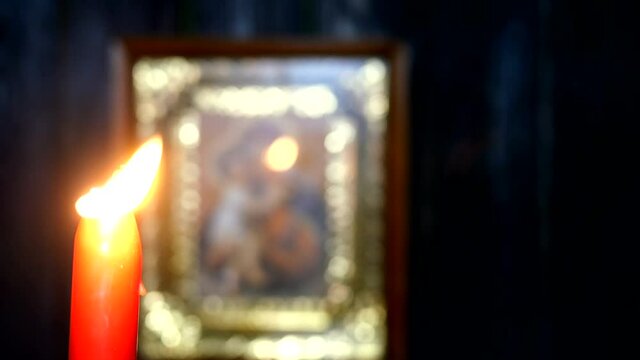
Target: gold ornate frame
[[362, 314]]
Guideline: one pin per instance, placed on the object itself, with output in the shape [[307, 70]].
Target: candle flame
[[127, 188]]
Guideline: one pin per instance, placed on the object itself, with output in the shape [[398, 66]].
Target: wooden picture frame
[[199, 93]]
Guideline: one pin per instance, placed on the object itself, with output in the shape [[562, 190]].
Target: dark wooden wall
[[522, 209]]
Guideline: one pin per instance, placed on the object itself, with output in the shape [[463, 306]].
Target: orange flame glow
[[127, 188]]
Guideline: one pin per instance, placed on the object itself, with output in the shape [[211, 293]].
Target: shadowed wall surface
[[521, 223]]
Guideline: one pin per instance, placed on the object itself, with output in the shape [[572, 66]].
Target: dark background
[[523, 242]]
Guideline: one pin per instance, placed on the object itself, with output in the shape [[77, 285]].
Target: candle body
[[105, 290]]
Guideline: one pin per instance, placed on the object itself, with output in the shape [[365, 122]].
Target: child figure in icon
[[262, 237]]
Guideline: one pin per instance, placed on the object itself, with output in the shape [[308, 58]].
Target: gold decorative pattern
[[174, 96]]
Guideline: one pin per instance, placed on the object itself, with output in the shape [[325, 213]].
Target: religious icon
[[264, 229], [268, 234]]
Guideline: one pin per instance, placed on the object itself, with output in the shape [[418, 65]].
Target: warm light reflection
[[289, 347], [281, 154], [339, 137], [189, 134], [127, 188], [313, 101]]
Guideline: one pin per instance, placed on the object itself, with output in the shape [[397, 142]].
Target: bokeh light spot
[[282, 154]]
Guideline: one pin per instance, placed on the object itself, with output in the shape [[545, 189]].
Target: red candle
[[107, 262]]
